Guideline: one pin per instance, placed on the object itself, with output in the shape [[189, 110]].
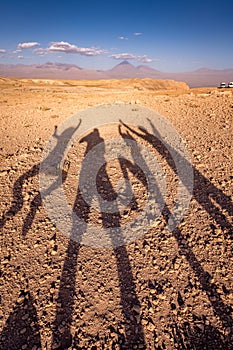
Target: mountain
[[127, 70], [123, 65], [148, 70], [123, 70], [49, 70], [57, 65], [203, 77]]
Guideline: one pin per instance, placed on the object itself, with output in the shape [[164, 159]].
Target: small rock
[[121, 331], [56, 346], [185, 309], [150, 327], [136, 308], [26, 197], [25, 317], [20, 299], [201, 326], [138, 319], [144, 322], [119, 102], [62, 329], [24, 330]]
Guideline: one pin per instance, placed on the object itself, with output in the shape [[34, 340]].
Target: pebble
[[144, 322], [24, 330], [150, 327], [136, 308], [138, 319], [56, 346], [24, 317], [119, 102], [26, 197]]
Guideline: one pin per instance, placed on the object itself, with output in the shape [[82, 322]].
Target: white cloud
[[129, 56], [123, 56], [122, 38], [28, 45], [145, 59], [17, 51], [137, 33], [63, 46], [41, 51], [20, 57], [2, 50]]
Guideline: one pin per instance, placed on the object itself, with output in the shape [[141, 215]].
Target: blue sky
[[167, 35]]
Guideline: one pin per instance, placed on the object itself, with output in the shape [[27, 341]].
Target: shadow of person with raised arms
[[134, 331], [11, 338], [202, 192], [36, 202]]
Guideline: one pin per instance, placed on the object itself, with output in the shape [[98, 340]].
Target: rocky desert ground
[[166, 290]]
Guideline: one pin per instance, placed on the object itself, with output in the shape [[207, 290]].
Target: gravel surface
[[166, 290]]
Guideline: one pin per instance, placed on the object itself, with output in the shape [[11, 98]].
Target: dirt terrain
[[166, 290]]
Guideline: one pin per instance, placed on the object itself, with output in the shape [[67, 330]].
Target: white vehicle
[[223, 85], [230, 85]]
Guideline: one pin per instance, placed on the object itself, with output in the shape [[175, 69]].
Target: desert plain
[[165, 290]]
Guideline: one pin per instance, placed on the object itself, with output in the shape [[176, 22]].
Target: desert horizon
[[202, 77]]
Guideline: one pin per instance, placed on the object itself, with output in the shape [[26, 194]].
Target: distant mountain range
[[123, 70]]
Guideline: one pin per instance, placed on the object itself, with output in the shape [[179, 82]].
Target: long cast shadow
[[61, 329], [18, 200], [12, 336], [222, 310], [21, 326], [204, 191], [134, 330], [36, 202], [188, 336]]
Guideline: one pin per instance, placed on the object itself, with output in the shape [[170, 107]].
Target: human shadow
[[198, 335], [65, 301], [202, 192], [11, 336], [211, 198], [134, 334], [21, 327], [54, 157]]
